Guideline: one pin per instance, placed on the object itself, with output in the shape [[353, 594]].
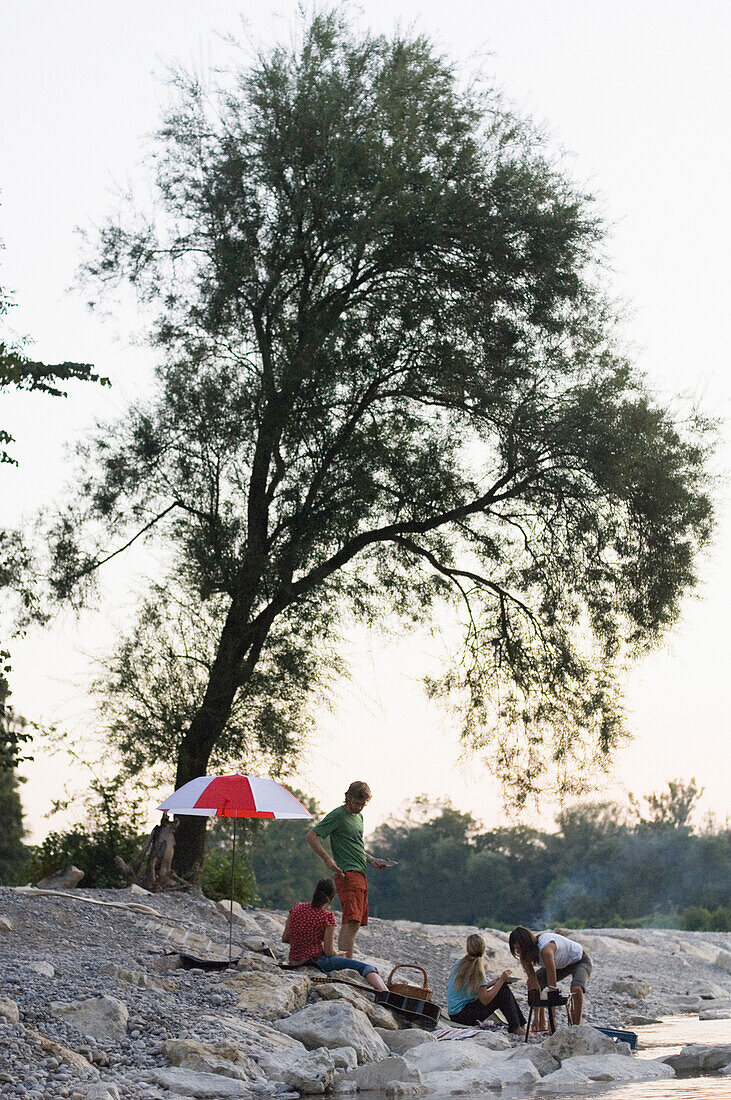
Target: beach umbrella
[[234, 796]]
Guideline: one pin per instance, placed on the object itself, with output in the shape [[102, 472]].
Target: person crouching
[[471, 998], [310, 933]]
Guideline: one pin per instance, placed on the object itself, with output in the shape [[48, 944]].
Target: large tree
[[389, 377]]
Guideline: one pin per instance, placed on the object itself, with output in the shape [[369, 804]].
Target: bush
[[93, 851], [216, 878], [698, 919]]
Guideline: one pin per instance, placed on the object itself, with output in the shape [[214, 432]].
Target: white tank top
[[567, 952]]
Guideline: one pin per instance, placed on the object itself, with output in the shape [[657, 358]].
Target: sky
[[635, 95]]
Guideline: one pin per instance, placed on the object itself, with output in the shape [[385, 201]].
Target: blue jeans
[[326, 963]]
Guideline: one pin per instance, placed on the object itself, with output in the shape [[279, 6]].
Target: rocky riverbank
[[95, 1005]]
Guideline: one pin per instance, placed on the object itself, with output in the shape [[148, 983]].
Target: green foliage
[[697, 919], [215, 881], [389, 378], [91, 849], [285, 866], [12, 850]]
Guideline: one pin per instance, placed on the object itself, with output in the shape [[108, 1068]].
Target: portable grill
[[550, 999]]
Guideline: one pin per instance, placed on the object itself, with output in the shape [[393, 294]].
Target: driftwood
[[153, 867]]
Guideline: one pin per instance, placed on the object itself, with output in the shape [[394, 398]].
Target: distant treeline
[[606, 865]]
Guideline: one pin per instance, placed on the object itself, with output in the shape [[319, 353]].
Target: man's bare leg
[[576, 1005], [346, 939]]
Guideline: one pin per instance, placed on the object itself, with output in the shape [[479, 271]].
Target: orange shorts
[[352, 889]]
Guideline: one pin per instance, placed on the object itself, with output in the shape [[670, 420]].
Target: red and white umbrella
[[234, 796]]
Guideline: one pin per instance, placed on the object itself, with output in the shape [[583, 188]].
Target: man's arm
[[548, 955], [316, 844], [374, 861]]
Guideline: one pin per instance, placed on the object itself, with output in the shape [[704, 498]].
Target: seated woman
[[472, 998], [560, 957], [310, 933]]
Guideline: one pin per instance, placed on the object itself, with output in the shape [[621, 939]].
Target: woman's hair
[[523, 938], [470, 972], [324, 892], [358, 789]]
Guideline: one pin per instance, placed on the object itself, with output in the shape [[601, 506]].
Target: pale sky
[[637, 96]]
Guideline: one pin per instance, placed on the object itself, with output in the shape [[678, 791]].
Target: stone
[[567, 1042], [700, 1058], [492, 1040], [638, 1020], [448, 1056], [56, 1050], [381, 1076], [398, 1042], [543, 1061], [344, 1057], [102, 1017], [311, 1072], [224, 1058], [164, 963], [6, 925], [202, 1086], [496, 1072], [66, 879], [377, 1014], [614, 1067], [9, 1010], [709, 991], [715, 1010], [633, 987], [102, 1091], [270, 994], [336, 1024], [723, 959], [726, 1071], [564, 1082], [240, 918], [43, 968]]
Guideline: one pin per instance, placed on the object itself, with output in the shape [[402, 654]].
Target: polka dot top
[[306, 930]]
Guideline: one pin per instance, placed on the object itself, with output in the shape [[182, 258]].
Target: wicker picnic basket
[[422, 992]]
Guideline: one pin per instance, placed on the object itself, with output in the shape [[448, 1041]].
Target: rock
[[491, 1040], [567, 1042], [62, 880], [379, 1016], [382, 1076], [43, 968], [77, 1061], [9, 1010], [223, 1058], [311, 1072], [634, 987], [543, 1062], [344, 1057], [564, 1082], [448, 1056], [700, 1058], [614, 1067], [708, 991], [164, 963], [240, 918], [102, 1017], [336, 1024], [202, 1086], [398, 1042], [641, 1021], [269, 994], [726, 1071], [723, 959], [102, 1091], [6, 925], [496, 1072], [715, 1010]]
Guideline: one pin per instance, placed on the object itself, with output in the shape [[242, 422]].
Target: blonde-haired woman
[[472, 998]]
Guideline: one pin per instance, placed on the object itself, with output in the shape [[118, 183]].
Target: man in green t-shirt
[[344, 826]]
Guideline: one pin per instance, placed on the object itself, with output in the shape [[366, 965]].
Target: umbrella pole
[[231, 905]]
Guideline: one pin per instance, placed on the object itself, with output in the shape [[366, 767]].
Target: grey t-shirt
[[567, 952]]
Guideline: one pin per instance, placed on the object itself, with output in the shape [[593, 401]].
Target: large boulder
[[202, 1086], [336, 1024], [102, 1017], [708, 991], [566, 1081], [223, 1058], [72, 1058], [496, 1073], [310, 1073], [62, 880], [723, 959], [398, 1042], [389, 1076], [715, 1010], [633, 987], [377, 1014], [567, 1042], [240, 918], [615, 1067], [448, 1056], [269, 994], [543, 1061], [700, 1058]]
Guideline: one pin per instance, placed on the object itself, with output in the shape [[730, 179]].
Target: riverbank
[[93, 1001]]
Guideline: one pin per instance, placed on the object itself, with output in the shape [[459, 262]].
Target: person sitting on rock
[[471, 997], [560, 958], [310, 933]]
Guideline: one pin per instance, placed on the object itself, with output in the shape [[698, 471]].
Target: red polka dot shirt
[[306, 930]]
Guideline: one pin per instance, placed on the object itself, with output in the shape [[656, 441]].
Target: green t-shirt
[[346, 838]]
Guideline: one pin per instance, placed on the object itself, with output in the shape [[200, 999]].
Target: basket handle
[[407, 966]]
